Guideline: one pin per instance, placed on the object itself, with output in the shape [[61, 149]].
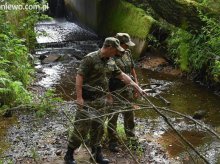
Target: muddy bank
[[155, 61], [35, 139], [159, 64]]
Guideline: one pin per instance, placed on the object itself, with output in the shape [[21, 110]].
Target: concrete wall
[[140, 46], [107, 17], [84, 11]]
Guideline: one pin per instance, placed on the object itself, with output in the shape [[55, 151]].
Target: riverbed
[[24, 137]]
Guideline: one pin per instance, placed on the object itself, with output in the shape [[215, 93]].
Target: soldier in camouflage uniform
[[126, 64], [91, 88]]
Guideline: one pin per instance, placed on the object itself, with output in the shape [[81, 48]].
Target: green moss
[[184, 51], [125, 17]]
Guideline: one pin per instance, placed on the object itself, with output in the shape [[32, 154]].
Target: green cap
[[111, 41], [124, 38]]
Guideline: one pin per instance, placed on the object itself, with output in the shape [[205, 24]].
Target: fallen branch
[[144, 107], [163, 99], [2, 112], [190, 118], [168, 122], [72, 122]]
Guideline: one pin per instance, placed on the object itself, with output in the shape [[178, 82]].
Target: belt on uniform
[[91, 95]]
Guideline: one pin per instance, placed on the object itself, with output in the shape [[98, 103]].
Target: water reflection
[[186, 97]]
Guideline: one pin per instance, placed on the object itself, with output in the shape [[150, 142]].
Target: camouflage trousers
[[129, 124], [92, 127]]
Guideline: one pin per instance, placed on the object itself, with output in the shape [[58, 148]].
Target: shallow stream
[[71, 42]]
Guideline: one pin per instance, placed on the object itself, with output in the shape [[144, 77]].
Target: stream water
[[187, 98], [72, 42]]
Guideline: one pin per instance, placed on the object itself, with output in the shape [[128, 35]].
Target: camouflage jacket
[[96, 71], [125, 62]]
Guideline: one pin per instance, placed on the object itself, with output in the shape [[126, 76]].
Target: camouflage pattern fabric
[[95, 72], [93, 127], [125, 63]]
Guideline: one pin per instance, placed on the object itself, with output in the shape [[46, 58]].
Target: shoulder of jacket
[[91, 56]]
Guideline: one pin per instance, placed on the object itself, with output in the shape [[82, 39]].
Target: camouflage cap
[[124, 38], [111, 41]]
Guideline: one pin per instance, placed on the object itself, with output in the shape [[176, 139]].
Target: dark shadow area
[[56, 8]]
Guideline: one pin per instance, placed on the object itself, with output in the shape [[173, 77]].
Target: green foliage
[[198, 51], [14, 58], [184, 51], [17, 39], [35, 155], [179, 48], [27, 24], [121, 131], [212, 4], [13, 93], [8, 161], [47, 102], [216, 70], [22, 22]]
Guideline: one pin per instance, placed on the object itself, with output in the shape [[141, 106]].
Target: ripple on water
[[52, 75], [60, 30]]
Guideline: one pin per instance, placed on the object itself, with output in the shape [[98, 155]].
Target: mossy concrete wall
[[84, 11], [121, 16], [108, 17]]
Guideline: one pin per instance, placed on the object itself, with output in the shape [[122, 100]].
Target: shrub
[[196, 52], [17, 40]]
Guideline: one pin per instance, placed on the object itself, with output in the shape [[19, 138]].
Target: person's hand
[[141, 92], [109, 99], [136, 94], [80, 102]]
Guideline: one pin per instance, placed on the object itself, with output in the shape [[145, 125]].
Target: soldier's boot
[[97, 154], [69, 158]]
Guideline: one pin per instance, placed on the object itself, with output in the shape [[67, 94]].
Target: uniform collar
[[102, 58]]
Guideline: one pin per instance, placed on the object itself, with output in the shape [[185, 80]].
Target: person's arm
[[109, 98], [128, 81], [133, 73], [79, 83], [83, 71]]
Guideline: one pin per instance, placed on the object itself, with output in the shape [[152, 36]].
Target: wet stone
[[58, 152]]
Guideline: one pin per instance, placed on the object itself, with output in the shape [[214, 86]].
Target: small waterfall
[[60, 45]]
